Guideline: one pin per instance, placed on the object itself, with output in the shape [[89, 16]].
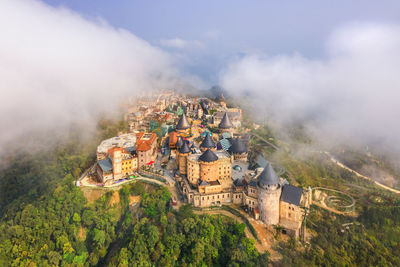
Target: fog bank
[[350, 96], [58, 68]]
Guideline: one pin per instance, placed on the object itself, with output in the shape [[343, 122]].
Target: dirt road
[[338, 163]]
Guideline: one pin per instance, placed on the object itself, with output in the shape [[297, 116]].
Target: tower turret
[[183, 124], [182, 155], [207, 143], [226, 125], [208, 166], [269, 192]]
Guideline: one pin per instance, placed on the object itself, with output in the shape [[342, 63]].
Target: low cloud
[[350, 96], [179, 43], [58, 68]]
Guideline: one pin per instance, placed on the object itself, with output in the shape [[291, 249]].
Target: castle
[[210, 164], [211, 176]]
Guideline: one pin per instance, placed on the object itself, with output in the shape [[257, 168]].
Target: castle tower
[[117, 163], [183, 124], [179, 142], [183, 153], [225, 126], [238, 149], [208, 166], [207, 143], [269, 192]]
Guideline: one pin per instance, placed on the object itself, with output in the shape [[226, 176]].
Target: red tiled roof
[[144, 145]]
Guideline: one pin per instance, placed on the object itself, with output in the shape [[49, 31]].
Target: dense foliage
[[185, 239], [47, 221], [373, 239]]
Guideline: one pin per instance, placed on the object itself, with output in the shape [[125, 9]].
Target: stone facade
[[198, 170], [291, 217], [268, 205], [265, 201]]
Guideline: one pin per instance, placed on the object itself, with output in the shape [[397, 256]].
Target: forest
[[47, 221]]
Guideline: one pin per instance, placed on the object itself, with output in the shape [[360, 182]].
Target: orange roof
[[143, 146], [173, 137], [145, 141]]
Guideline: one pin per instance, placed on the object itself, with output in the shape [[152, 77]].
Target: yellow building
[[210, 166], [118, 164]]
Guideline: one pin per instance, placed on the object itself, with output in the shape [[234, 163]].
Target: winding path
[[338, 163]]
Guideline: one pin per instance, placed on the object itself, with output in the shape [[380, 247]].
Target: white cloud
[[58, 68], [351, 95], [179, 43]]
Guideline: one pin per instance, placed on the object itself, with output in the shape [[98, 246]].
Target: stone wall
[[268, 204], [290, 218], [193, 171], [212, 199], [182, 163]]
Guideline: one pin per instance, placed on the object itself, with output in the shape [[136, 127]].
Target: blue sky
[[218, 31]]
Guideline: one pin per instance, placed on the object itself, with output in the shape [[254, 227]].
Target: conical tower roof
[[268, 176], [207, 142], [208, 156], [179, 143], [184, 148], [183, 123], [237, 146], [225, 122]]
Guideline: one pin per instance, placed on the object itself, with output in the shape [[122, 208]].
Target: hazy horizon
[[66, 61]]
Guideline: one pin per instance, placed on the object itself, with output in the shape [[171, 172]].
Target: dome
[[268, 176], [183, 123], [207, 142], [208, 156], [237, 146], [225, 122]]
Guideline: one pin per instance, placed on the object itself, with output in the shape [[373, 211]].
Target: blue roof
[[226, 135], [291, 194], [205, 133], [105, 165], [225, 144], [253, 183]]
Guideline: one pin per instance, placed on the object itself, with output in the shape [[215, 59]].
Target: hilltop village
[[200, 146]]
